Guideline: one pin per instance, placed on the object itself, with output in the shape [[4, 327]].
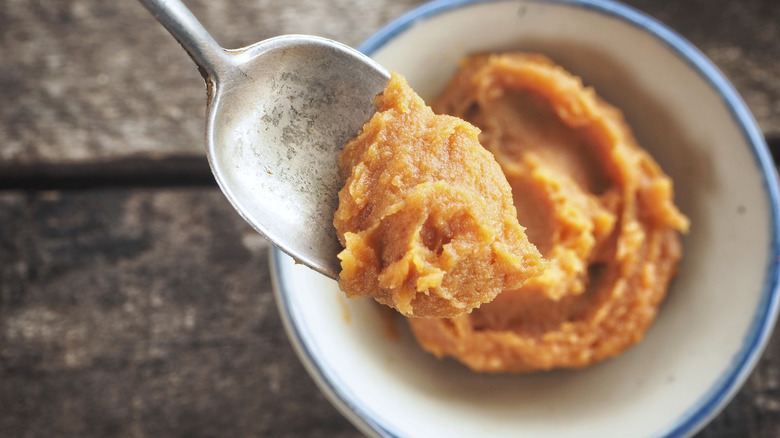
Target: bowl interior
[[719, 310]]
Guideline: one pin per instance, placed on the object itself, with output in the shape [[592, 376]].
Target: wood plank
[[93, 80], [149, 312]]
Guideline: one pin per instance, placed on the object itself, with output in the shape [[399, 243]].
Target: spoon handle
[[182, 24]]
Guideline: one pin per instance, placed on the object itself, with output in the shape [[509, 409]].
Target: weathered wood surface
[[94, 79], [147, 311]]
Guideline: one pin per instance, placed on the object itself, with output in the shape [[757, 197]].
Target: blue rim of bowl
[[729, 382]]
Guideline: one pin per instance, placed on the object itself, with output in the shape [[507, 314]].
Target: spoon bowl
[[279, 113]]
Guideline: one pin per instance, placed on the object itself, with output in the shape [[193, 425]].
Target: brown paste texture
[[426, 215], [596, 205]]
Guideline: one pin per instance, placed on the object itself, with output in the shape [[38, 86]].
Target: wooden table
[[134, 302]]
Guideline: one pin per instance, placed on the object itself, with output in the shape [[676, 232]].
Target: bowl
[[720, 309]]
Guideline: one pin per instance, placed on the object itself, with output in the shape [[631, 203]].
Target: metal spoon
[[279, 113]]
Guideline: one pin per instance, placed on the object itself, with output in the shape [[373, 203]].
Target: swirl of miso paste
[[597, 206], [426, 216]]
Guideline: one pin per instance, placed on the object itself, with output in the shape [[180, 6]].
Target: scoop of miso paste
[[426, 215]]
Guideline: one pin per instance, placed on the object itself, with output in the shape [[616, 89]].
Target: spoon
[[278, 113]]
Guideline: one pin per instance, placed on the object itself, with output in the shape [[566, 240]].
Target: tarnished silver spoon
[[279, 113]]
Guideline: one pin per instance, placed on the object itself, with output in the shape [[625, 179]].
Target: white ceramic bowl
[[721, 307]]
